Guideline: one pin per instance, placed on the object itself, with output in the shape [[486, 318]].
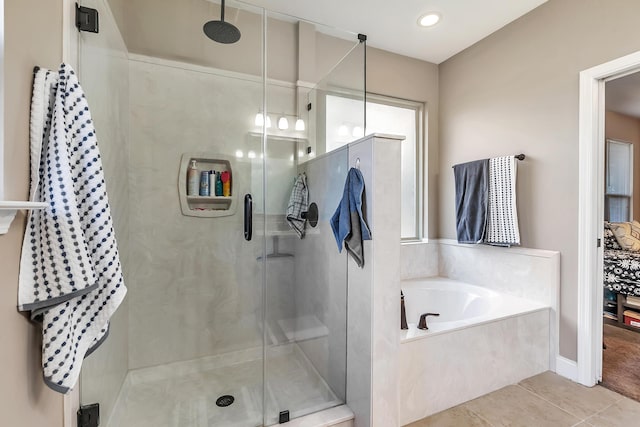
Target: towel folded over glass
[[298, 205], [348, 222]]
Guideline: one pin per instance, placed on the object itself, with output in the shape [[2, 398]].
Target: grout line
[[604, 409], [477, 414], [553, 404]]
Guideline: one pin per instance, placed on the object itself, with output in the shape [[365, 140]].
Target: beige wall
[[627, 129], [25, 400], [397, 76], [517, 91], [118, 12], [403, 77], [174, 31]]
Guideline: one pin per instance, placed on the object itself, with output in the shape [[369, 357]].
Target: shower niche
[[211, 205]]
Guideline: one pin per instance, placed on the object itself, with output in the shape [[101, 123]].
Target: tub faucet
[[422, 324], [403, 313]]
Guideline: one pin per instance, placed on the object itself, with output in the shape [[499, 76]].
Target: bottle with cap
[[218, 185], [204, 183], [192, 179], [225, 177]]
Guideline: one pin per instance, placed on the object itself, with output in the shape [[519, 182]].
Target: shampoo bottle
[[226, 183], [218, 186], [204, 183], [193, 180]]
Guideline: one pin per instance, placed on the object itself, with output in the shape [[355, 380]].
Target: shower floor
[[184, 394]]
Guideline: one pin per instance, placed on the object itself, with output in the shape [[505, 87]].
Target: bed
[[621, 267]]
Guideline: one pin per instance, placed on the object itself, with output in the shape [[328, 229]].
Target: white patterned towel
[[298, 204], [70, 274], [502, 218]]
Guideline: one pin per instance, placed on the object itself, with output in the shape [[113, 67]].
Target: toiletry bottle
[[226, 183], [204, 183], [192, 179], [218, 185]]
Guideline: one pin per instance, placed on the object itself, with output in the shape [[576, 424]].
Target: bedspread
[[622, 271]]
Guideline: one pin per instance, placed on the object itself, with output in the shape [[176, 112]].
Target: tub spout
[[422, 324], [403, 313]]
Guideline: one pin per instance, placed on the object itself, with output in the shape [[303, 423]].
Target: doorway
[[592, 148], [621, 259]]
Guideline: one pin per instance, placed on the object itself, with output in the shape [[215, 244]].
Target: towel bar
[[517, 156], [9, 209]]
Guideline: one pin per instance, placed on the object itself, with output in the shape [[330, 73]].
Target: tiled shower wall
[[189, 297], [196, 283]]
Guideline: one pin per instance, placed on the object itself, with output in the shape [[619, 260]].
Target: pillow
[[627, 234], [610, 241]]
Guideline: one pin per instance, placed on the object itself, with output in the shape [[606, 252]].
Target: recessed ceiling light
[[429, 19]]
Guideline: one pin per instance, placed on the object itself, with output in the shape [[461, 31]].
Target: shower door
[[222, 325], [186, 348], [306, 278]]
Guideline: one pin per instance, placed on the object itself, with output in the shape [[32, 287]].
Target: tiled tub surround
[[532, 274], [451, 364]]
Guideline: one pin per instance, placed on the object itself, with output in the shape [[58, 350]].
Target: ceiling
[[623, 95], [392, 25]]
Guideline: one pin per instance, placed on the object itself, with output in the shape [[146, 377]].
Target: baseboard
[[567, 368]]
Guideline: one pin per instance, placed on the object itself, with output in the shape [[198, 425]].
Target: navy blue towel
[[472, 194], [348, 223]]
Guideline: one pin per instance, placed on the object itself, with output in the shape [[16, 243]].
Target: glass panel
[[193, 328], [306, 290], [205, 306], [337, 116], [104, 75]]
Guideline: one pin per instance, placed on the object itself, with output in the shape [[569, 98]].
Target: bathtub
[[483, 340], [459, 305]]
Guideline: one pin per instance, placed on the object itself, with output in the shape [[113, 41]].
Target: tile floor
[[544, 400]]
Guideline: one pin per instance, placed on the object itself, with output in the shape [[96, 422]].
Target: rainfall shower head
[[221, 31]]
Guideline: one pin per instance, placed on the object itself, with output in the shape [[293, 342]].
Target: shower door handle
[[248, 217]]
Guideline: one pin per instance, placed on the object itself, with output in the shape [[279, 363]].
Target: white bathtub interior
[[458, 304]]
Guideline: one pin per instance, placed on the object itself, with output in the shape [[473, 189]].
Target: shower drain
[[225, 400]]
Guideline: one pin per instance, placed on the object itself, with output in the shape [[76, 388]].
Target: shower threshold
[[184, 394]]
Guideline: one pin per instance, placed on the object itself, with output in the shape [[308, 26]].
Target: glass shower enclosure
[[231, 318]]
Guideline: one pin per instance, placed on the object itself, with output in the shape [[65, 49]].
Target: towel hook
[[358, 163]]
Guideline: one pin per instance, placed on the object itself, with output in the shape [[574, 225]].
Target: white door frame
[[591, 212]]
